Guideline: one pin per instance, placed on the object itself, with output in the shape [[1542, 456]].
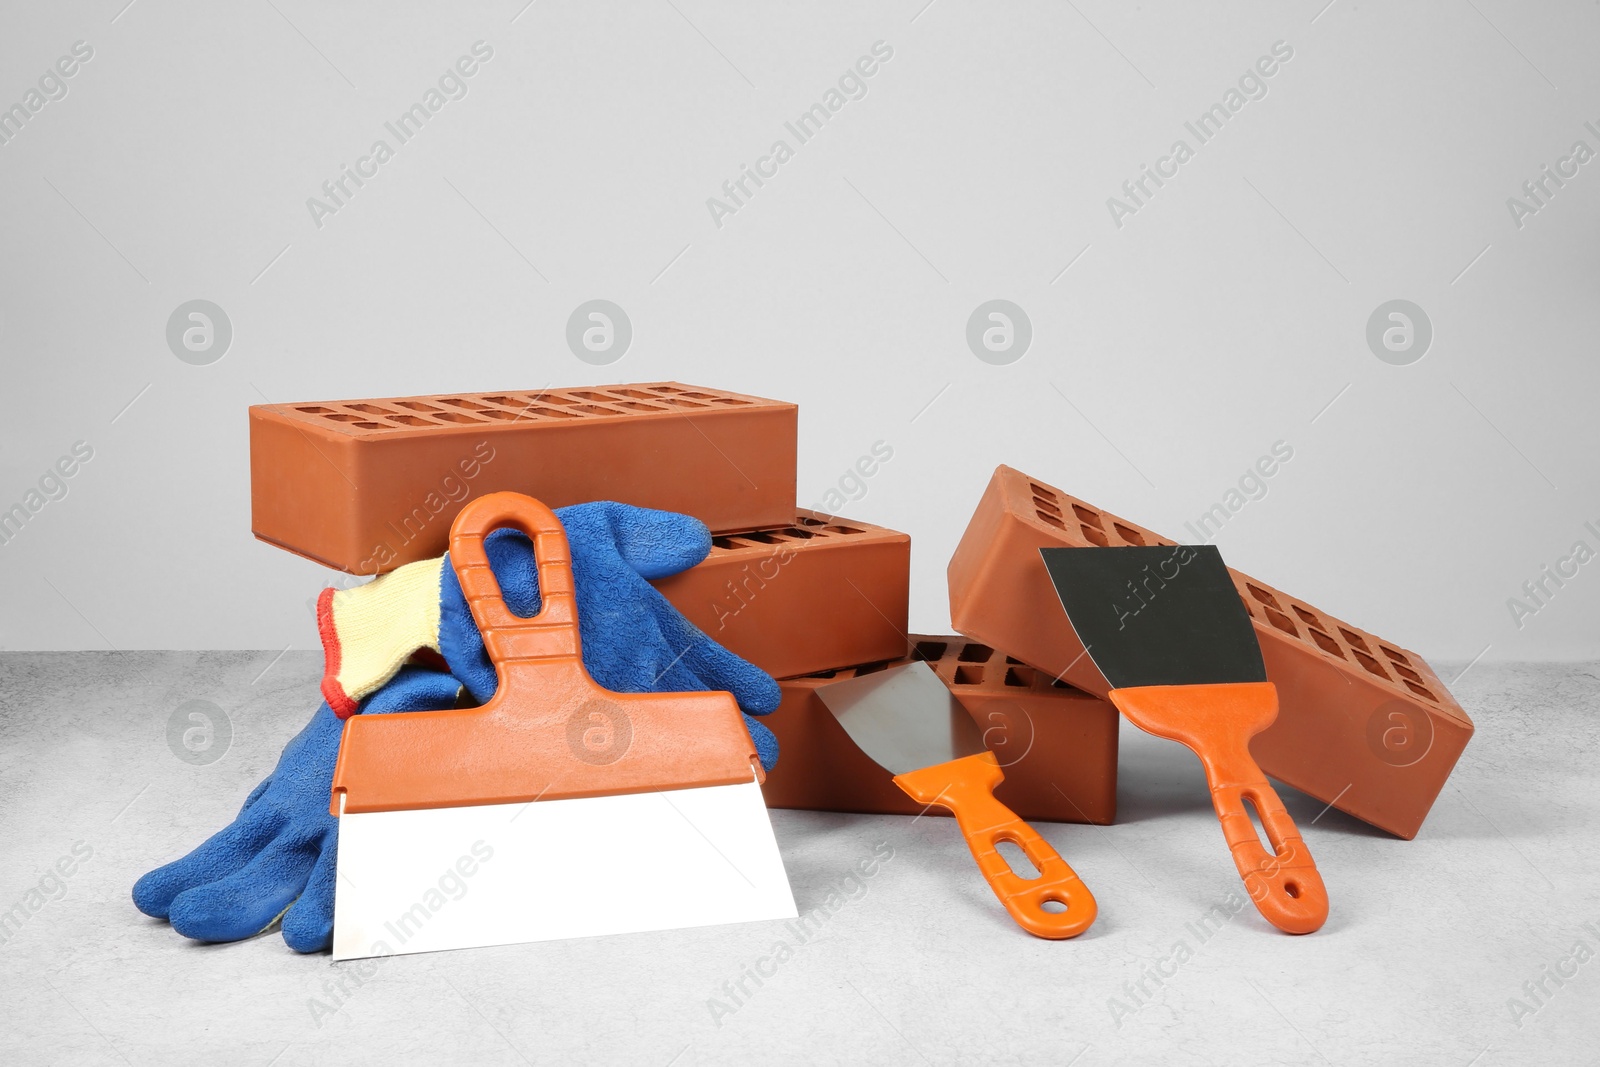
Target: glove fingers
[[654, 543], [255, 794], [245, 902], [691, 661], [766, 743], [308, 924], [222, 854], [717, 668]]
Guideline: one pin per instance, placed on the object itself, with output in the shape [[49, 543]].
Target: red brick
[[1363, 724], [1057, 745], [819, 593], [367, 485]]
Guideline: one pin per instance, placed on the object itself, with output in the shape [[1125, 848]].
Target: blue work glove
[[634, 640], [278, 856]]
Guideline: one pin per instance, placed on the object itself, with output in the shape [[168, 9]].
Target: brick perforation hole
[[552, 404]]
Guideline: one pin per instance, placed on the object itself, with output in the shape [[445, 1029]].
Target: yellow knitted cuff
[[370, 631]]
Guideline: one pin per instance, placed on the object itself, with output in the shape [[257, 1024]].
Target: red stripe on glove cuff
[[342, 703]]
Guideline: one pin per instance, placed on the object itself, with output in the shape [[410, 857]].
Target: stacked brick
[[368, 485], [365, 486]]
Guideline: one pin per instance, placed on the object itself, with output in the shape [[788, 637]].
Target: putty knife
[[911, 725], [559, 808], [1166, 630]]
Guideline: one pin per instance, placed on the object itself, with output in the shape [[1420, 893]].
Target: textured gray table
[[1431, 946]]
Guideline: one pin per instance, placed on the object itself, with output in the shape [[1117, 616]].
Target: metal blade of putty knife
[[910, 724], [1166, 628]]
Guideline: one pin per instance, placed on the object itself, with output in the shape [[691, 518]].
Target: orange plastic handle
[[1216, 722], [545, 647], [532, 739], [966, 788]]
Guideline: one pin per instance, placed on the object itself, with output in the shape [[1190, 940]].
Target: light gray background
[[1228, 314]]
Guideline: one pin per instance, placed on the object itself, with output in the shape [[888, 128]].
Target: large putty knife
[[1167, 640], [911, 725], [559, 808]]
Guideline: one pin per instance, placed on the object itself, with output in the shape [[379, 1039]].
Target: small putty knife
[[910, 724], [1178, 656]]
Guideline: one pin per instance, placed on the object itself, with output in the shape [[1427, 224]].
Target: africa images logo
[[599, 733]]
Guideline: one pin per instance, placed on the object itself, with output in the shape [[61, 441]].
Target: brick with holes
[[367, 485], [1057, 744], [1362, 724], [817, 593]]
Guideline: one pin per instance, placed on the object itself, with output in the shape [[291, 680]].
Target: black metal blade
[[1159, 615]]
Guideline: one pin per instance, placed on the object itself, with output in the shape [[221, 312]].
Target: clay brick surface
[[367, 485], [1057, 745], [820, 592], [1362, 724]]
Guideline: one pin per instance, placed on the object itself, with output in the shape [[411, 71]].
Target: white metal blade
[[499, 874]]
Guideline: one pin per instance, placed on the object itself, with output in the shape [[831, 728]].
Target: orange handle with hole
[[532, 740], [1216, 722], [966, 788]]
